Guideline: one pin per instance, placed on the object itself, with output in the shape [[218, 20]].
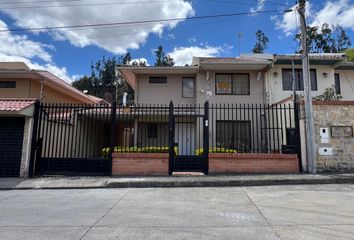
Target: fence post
[[297, 127], [206, 137], [113, 134], [34, 138], [171, 132]]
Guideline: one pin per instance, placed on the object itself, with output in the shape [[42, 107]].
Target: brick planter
[[253, 163], [139, 164]]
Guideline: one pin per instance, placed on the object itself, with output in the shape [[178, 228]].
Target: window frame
[[7, 84], [337, 86], [193, 80], [298, 77], [158, 77], [232, 84]]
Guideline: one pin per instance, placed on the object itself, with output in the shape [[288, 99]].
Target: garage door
[[11, 138]]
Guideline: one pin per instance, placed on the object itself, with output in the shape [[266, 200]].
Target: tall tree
[[343, 41], [325, 39], [261, 42], [103, 82], [163, 60]]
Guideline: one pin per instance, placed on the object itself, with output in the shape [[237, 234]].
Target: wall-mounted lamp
[[276, 74], [325, 75]]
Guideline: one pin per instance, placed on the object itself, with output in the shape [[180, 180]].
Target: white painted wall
[[275, 85]]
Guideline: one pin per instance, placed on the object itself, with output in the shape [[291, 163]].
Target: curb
[[180, 182]]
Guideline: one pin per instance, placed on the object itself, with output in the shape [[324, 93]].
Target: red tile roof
[[15, 105]]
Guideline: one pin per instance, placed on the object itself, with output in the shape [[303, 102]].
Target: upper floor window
[[299, 82], [188, 88], [7, 84], [158, 80], [232, 84], [337, 83]]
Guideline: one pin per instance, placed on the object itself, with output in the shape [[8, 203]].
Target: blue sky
[[69, 53]]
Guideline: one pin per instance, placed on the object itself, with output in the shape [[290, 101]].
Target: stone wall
[[328, 115]]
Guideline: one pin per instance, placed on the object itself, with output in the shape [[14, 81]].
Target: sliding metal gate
[[69, 139]]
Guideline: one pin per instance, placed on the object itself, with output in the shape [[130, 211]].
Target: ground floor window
[[233, 134]]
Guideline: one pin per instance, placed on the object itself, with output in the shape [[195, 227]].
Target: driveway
[[274, 212]]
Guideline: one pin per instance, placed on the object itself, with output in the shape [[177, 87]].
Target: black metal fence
[[250, 128], [82, 138]]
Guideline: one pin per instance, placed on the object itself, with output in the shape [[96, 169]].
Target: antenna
[[240, 34]]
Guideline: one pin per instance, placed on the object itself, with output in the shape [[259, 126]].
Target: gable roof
[[20, 70]]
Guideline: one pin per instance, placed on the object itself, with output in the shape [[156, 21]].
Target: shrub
[[120, 149], [200, 151]]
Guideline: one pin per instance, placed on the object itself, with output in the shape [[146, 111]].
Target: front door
[[185, 138]]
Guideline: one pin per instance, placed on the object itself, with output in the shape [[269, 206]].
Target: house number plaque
[[341, 132]]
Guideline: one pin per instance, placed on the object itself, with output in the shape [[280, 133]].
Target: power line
[[136, 22], [82, 5]]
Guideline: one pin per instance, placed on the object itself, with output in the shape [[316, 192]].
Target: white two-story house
[[250, 80]]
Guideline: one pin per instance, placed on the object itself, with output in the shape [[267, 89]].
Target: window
[[188, 88], [152, 130], [233, 135], [7, 84], [299, 83], [158, 80], [232, 84], [337, 83]]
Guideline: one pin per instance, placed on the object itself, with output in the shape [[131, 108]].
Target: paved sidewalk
[[173, 181]]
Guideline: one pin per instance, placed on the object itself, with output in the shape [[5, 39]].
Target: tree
[[326, 39], [262, 42], [343, 41], [163, 60], [103, 82], [350, 54]]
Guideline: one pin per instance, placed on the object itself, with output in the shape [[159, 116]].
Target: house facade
[[20, 87]]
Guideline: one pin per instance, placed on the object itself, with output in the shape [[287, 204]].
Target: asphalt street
[[274, 212]]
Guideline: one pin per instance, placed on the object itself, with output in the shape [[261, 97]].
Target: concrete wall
[[162, 93], [275, 86], [327, 115]]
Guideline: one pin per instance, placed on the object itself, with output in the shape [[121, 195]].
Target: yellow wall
[[29, 88]]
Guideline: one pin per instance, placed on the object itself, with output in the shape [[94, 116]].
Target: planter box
[[139, 164], [253, 163]]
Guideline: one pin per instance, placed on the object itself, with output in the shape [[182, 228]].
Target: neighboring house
[[255, 78], [19, 89], [231, 83]]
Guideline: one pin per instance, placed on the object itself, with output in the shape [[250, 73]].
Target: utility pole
[[310, 143]]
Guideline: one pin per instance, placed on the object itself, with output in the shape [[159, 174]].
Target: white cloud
[[19, 45], [260, 6], [336, 13], [184, 55], [290, 22], [113, 39], [18, 48]]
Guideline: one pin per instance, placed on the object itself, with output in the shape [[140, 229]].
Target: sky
[[68, 52]]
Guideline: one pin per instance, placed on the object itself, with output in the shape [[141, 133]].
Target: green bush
[[200, 151], [119, 149]]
